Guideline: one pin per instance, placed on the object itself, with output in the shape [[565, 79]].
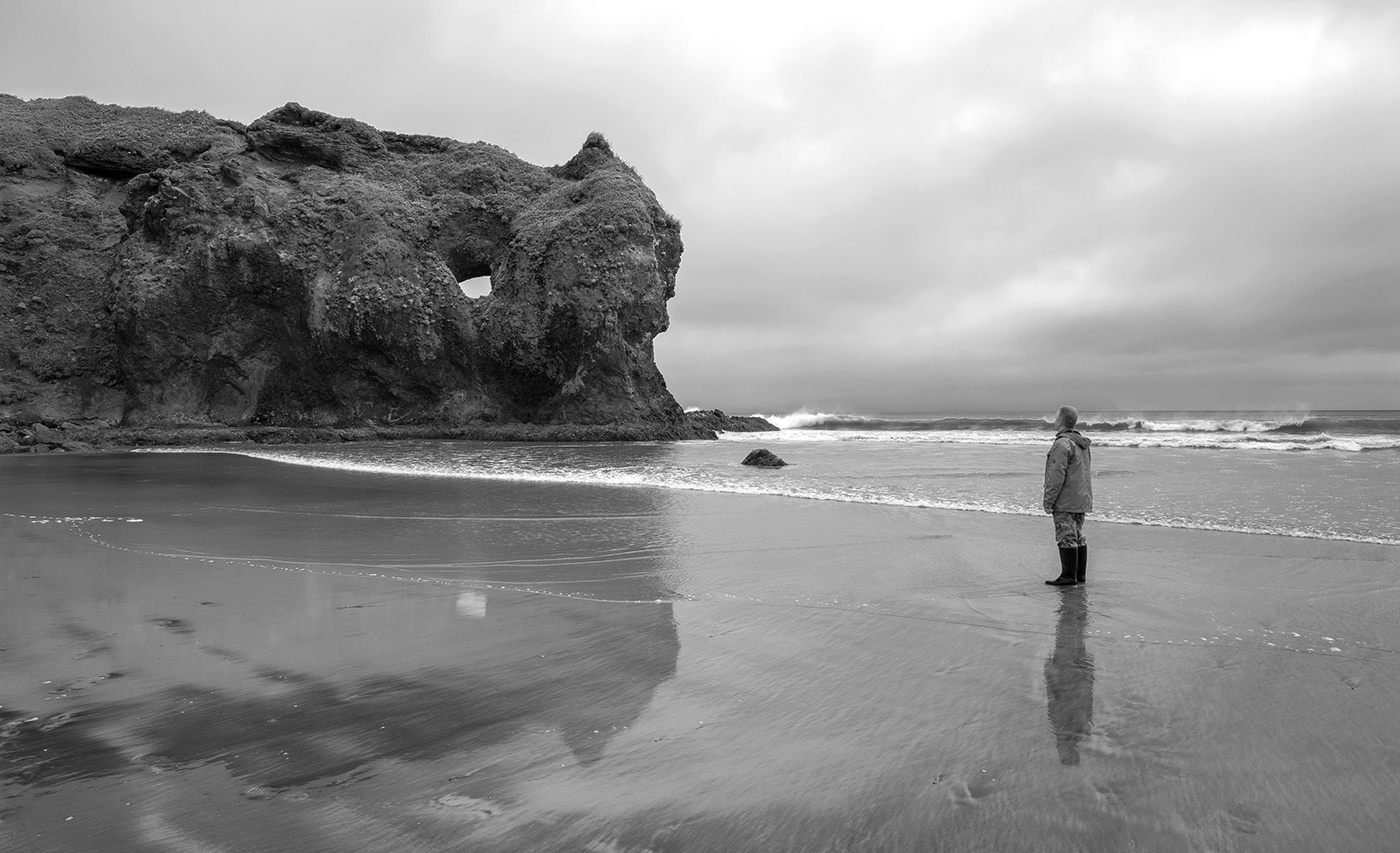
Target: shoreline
[[1097, 518], [287, 438]]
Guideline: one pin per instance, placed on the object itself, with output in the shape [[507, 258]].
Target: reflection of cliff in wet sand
[[576, 670], [292, 633], [588, 680], [1069, 677], [295, 728]]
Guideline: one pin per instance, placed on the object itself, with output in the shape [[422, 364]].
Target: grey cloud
[[880, 228]]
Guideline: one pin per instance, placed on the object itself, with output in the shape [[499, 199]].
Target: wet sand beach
[[207, 652]]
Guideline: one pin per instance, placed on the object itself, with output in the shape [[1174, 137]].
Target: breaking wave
[[1339, 431]]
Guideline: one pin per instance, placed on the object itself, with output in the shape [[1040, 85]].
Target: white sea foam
[[1193, 424], [1347, 432], [720, 480], [1181, 440]]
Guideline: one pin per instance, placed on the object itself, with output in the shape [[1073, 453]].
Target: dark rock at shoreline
[[714, 419], [178, 274], [763, 458], [46, 435], [22, 440]]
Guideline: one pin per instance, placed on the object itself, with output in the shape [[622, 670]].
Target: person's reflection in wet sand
[[1069, 677]]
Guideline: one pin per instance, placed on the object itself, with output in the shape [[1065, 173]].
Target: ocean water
[[1322, 475]]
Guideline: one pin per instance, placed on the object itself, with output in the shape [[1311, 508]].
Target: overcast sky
[[923, 206]]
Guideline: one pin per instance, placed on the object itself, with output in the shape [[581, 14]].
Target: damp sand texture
[[211, 652]]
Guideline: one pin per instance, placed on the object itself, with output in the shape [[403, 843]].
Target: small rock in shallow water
[[763, 458]]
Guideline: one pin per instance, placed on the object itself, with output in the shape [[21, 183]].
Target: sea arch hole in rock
[[476, 286], [470, 263]]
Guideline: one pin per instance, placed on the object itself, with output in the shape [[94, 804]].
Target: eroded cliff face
[[176, 269]]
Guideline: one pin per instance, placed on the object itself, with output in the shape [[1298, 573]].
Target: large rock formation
[[718, 421], [164, 270]]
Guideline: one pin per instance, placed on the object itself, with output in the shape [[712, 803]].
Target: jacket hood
[[1074, 436]]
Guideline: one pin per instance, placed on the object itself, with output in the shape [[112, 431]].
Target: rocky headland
[[176, 278], [717, 421]]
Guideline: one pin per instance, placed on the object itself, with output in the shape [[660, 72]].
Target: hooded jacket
[[1068, 487]]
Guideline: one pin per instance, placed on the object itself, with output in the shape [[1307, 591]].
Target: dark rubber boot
[[1069, 558], [1081, 563]]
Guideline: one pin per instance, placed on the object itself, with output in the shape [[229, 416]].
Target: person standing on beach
[[1069, 494]]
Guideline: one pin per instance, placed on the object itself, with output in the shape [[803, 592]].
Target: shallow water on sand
[[1324, 494], [209, 652]]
